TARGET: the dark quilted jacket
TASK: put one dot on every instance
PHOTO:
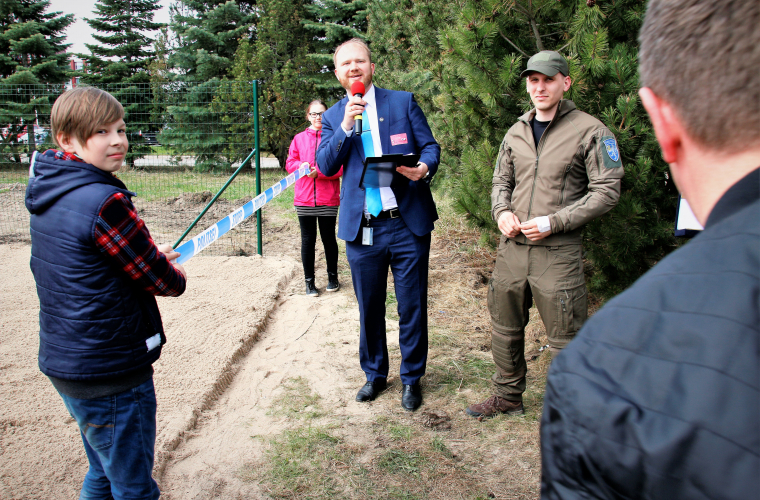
(658, 397)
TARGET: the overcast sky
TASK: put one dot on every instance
(79, 32)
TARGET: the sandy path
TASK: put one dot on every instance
(210, 330)
(315, 339)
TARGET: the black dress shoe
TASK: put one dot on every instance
(411, 397)
(370, 390)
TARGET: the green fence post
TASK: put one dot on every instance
(258, 161)
(245, 163)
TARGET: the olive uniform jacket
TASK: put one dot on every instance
(573, 176)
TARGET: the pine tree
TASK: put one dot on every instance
(207, 34)
(278, 60)
(638, 232)
(119, 63)
(32, 53)
(330, 23)
(124, 50)
(485, 49)
(160, 76)
(404, 36)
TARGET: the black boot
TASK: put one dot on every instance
(332, 282)
(311, 289)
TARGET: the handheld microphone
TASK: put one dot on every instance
(357, 88)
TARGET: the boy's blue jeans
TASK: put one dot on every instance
(119, 435)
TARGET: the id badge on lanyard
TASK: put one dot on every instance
(367, 236)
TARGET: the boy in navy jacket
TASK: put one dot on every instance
(97, 270)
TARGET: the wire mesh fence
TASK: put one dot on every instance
(185, 139)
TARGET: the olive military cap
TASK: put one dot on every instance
(547, 62)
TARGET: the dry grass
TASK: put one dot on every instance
(437, 452)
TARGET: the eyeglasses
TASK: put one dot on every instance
(316, 115)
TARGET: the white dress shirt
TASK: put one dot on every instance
(386, 193)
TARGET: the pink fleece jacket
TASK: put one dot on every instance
(321, 191)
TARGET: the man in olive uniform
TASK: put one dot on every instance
(558, 168)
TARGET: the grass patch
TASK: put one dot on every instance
(391, 305)
(152, 186)
(399, 432)
(453, 374)
(295, 465)
(439, 446)
(398, 461)
(14, 177)
(297, 401)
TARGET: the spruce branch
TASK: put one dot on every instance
(512, 44)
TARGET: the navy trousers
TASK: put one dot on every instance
(407, 255)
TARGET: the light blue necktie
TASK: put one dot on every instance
(371, 194)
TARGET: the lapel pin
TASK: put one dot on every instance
(381, 118)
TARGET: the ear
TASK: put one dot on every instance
(66, 142)
(667, 126)
(567, 83)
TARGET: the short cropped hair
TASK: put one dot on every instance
(703, 57)
(79, 112)
(357, 41)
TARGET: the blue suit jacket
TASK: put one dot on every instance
(398, 113)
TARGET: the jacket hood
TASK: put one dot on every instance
(50, 178)
(565, 106)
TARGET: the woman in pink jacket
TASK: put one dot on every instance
(316, 200)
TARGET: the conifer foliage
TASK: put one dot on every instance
(124, 47)
(119, 62)
(330, 23)
(279, 61)
(477, 94)
(207, 36)
(32, 52)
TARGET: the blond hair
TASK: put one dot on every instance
(702, 57)
(80, 112)
(357, 41)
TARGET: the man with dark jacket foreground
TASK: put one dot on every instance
(658, 395)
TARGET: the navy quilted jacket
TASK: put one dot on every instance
(658, 396)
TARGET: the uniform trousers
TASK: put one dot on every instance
(407, 255)
(552, 276)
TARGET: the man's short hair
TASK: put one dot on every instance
(357, 41)
(703, 57)
(79, 112)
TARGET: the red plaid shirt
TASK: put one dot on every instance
(122, 236)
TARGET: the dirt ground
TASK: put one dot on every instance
(239, 340)
(211, 328)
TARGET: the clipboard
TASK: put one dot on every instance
(379, 170)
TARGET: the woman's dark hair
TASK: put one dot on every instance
(312, 103)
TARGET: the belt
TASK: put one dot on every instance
(393, 213)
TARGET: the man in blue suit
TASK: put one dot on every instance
(389, 226)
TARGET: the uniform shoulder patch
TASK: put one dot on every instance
(611, 153)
